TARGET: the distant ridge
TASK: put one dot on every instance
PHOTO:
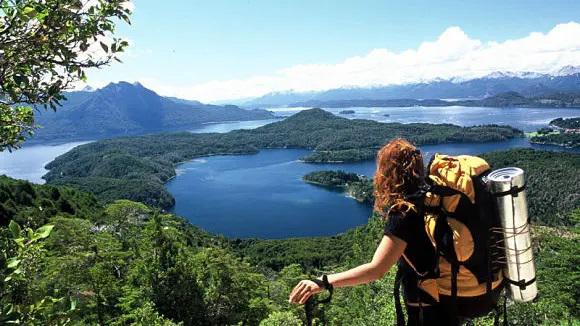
(122, 109)
(528, 84)
(501, 100)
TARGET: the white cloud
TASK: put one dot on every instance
(452, 55)
(129, 4)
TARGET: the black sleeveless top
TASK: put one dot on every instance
(420, 253)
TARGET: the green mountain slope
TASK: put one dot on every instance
(125, 263)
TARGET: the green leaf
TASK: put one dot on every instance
(104, 46)
(12, 262)
(42, 15)
(19, 242)
(29, 11)
(44, 231)
(15, 229)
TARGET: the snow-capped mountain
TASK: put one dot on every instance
(565, 79)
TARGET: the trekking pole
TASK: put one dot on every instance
(311, 304)
(309, 309)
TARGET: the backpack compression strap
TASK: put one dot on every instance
(444, 241)
(434, 189)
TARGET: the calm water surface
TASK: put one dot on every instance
(263, 196)
(28, 162)
(526, 119)
(232, 125)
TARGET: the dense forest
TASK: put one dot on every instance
(127, 263)
(331, 178)
(570, 140)
(136, 168)
(571, 123)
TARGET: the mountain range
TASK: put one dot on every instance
(122, 109)
(528, 84)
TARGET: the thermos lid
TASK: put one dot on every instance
(505, 174)
(506, 178)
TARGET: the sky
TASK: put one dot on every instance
(223, 50)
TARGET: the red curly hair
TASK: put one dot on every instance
(400, 171)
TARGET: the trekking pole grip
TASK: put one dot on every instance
(324, 284)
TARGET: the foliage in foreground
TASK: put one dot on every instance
(127, 263)
(45, 47)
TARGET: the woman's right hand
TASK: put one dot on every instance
(304, 290)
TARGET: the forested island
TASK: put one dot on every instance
(565, 132)
(126, 262)
(356, 186)
(137, 168)
(570, 123)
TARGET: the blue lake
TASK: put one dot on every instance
(231, 125)
(28, 162)
(526, 119)
(263, 195)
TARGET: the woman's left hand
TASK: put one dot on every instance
(303, 290)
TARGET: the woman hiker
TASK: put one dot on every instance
(400, 172)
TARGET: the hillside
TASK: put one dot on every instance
(572, 123)
(124, 109)
(565, 132)
(137, 168)
(125, 263)
(35, 205)
(528, 85)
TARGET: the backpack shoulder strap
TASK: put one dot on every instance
(444, 243)
(397, 294)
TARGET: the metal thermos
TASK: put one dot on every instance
(508, 187)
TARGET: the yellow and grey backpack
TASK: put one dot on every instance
(460, 220)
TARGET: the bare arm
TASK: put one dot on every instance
(387, 253)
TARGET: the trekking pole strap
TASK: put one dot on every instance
(312, 302)
(324, 284)
(308, 310)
